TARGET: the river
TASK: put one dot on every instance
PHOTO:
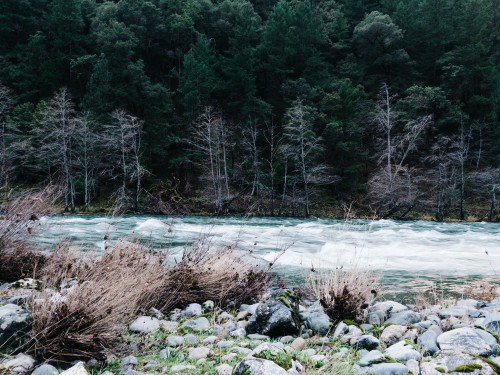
(410, 255)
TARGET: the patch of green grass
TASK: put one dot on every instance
(470, 367)
(440, 369)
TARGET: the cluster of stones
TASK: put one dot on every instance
(429, 342)
(396, 339)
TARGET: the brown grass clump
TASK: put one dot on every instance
(84, 320)
(220, 275)
(483, 290)
(18, 224)
(344, 293)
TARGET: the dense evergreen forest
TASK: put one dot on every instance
(277, 107)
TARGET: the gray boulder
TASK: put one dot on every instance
(314, 318)
(459, 312)
(371, 358)
(128, 363)
(14, 323)
(224, 369)
(45, 369)
(257, 366)
(367, 342)
(428, 342)
(404, 318)
(145, 324)
(402, 352)
(273, 318)
(452, 359)
(492, 322)
(198, 325)
(465, 339)
(392, 334)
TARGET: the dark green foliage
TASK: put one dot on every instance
(164, 61)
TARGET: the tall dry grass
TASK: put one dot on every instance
(84, 318)
(222, 275)
(87, 299)
(19, 222)
(344, 292)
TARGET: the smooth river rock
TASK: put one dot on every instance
(257, 366)
(465, 339)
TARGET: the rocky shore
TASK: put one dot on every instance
(279, 335)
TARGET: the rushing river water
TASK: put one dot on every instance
(416, 253)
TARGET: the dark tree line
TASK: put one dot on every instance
(268, 105)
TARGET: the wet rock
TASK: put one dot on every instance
(144, 325)
(492, 322)
(14, 323)
(315, 318)
(428, 342)
(404, 318)
(465, 339)
(367, 342)
(272, 318)
(257, 366)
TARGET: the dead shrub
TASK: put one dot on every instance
(84, 320)
(18, 224)
(344, 293)
(221, 275)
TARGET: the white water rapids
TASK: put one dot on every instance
(405, 251)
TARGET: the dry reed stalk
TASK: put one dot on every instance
(18, 224)
(84, 320)
(344, 293)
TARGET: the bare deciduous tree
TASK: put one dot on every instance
(58, 131)
(122, 141)
(274, 141)
(210, 137)
(487, 182)
(305, 148)
(393, 184)
(460, 153)
(87, 156)
(442, 175)
(6, 104)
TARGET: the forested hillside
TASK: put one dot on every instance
(276, 107)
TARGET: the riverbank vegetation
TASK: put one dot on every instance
(268, 107)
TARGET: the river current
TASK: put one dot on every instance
(418, 254)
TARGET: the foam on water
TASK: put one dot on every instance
(408, 247)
